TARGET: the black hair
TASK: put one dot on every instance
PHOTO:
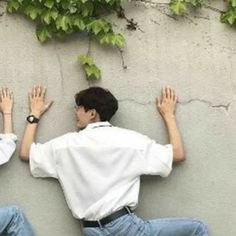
(100, 99)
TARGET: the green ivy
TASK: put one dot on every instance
(59, 18)
(180, 6)
(91, 70)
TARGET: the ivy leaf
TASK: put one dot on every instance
(49, 15)
(113, 39)
(86, 60)
(195, 3)
(119, 40)
(228, 17)
(32, 11)
(92, 72)
(78, 21)
(13, 6)
(178, 6)
(97, 26)
(49, 3)
(87, 9)
(63, 22)
(233, 3)
(43, 33)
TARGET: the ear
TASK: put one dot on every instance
(93, 113)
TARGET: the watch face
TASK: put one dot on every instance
(32, 119)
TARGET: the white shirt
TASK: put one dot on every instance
(99, 167)
(7, 147)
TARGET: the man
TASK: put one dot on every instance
(99, 168)
(12, 220)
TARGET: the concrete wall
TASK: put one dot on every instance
(195, 55)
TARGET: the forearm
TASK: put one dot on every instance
(7, 123)
(175, 138)
(28, 139)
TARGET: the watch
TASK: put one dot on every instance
(32, 119)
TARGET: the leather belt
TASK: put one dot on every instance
(107, 219)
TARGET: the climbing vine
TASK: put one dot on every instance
(59, 18)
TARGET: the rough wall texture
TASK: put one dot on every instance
(196, 55)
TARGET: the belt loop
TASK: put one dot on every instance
(127, 209)
(100, 225)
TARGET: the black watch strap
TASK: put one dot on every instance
(32, 119)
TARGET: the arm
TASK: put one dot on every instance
(7, 143)
(166, 105)
(38, 107)
(6, 105)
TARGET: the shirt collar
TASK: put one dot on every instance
(98, 124)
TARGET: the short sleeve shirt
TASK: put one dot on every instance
(99, 168)
(7, 147)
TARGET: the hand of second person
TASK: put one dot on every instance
(37, 103)
(166, 104)
(6, 101)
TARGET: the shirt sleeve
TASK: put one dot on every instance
(7, 147)
(42, 160)
(158, 159)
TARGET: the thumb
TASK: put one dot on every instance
(48, 105)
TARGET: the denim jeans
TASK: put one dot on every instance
(14, 223)
(131, 225)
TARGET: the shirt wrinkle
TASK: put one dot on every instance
(106, 176)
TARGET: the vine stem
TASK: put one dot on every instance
(88, 54)
(166, 4)
(212, 8)
(122, 58)
(121, 14)
(89, 45)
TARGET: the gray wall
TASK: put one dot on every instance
(195, 55)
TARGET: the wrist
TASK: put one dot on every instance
(32, 119)
(169, 117)
(36, 114)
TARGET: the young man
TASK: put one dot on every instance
(12, 220)
(99, 168)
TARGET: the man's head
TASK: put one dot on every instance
(93, 105)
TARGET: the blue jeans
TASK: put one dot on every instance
(14, 223)
(131, 225)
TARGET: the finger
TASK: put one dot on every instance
(172, 94)
(11, 95)
(30, 95)
(167, 92)
(43, 91)
(176, 99)
(34, 92)
(7, 92)
(48, 105)
(3, 93)
(163, 93)
(38, 91)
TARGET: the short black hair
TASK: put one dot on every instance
(100, 99)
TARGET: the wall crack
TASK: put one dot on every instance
(225, 106)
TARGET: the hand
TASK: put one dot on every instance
(6, 101)
(37, 103)
(166, 104)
